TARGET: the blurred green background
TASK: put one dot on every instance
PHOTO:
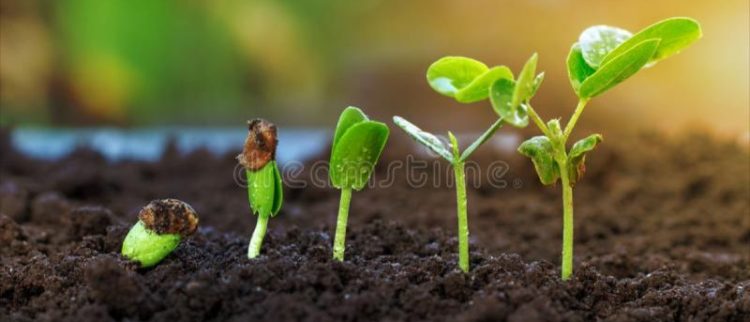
(73, 63)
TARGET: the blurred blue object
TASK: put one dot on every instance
(148, 144)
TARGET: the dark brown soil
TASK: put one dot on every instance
(662, 234)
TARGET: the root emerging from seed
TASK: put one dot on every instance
(169, 216)
(260, 145)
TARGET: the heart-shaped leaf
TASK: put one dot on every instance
(350, 116)
(501, 97)
(478, 89)
(427, 139)
(526, 84)
(598, 41)
(577, 156)
(355, 154)
(541, 152)
(262, 189)
(483, 138)
(618, 69)
(578, 69)
(675, 34)
(450, 74)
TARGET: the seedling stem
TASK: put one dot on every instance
(258, 234)
(463, 221)
(339, 243)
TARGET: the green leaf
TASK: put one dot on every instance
(355, 154)
(537, 83)
(554, 128)
(278, 196)
(578, 69)
(598, 41)
(675, 34)
(350, 116)
(427, 139)
(450, 74)
(501, 97)
(478, 89)
(526, 83)
(618, 69)
(483, 138)
(577, 156)
(454, 145)
(541, 152)
(261, 189)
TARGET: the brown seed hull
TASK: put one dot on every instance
(260, 145)
(169, 216)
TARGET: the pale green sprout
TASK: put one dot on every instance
(357, 145)
(265, 189)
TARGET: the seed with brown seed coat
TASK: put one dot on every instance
(169, 216)
(260, 145)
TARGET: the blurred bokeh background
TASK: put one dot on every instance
(74, 63)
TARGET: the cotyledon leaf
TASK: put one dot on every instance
(356, 153)
(577, 156)
(278, 197)
(541, 152)
(350, 116)
(262, 189)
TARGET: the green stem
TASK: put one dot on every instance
(339, 243)
(257, 240)
(567, 249)
(574, 119)
(463, 225)
(538, 121)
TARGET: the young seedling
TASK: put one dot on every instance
(603, 57)
(264, 185)
(467, 81)
(357, 145)
(161, 225)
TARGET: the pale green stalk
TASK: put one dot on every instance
(257, 240)
(339, 243)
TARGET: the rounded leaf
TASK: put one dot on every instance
(618, 69)
(501, 97)
(478, 89)
(450, 74)
(578, 69)
(675, 34)
(356, 153)
(598, 41)
(350, 116)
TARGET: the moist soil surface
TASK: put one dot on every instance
(662, 233)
